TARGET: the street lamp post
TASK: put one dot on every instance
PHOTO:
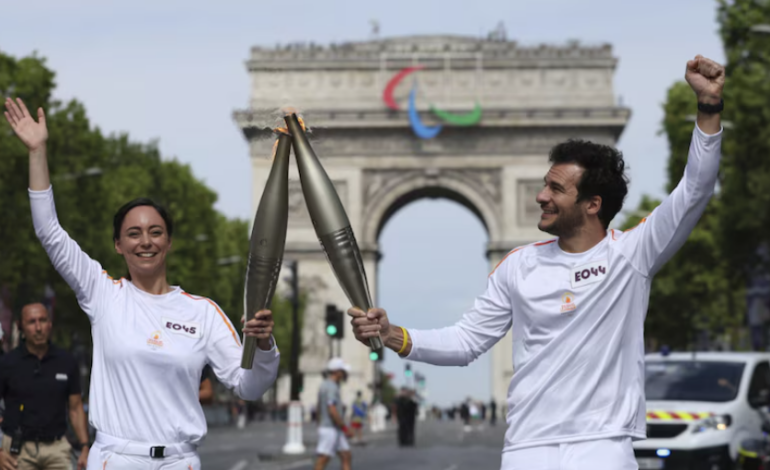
(228, 260)
(757, 31)
(760, 29)
(694, 118)
(294, 358)
(93, 171)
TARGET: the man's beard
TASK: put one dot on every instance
(566, 224)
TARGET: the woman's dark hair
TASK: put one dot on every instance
(117, 221)
(603, 174)
(120, 216)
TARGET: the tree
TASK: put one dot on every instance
(282, 313)
(745, 218)
(93, 176)
(694, 291)
(20, 259)
(387, 390)
(679, 111)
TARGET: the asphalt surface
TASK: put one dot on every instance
(440, 445)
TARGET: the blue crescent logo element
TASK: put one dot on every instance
(422, 131)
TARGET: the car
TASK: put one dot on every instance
(700, 407)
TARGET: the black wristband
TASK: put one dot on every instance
(711, 108)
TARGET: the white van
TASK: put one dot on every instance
(700, 406)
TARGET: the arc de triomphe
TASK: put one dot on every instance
(530, 98)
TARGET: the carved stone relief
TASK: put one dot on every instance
(469, 142)
(315, 342)
(298, 214)
(485, 181)
(528, 210)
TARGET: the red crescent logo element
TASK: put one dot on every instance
(387, 95)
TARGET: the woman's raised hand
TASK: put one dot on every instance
(33, 134)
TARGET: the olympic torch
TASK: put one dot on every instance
(331, 223)
(268, 237)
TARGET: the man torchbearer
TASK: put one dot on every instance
(576, 303)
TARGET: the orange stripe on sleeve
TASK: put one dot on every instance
(504, 257)
(640, 223)
(517, 249)
(221, 314)
(119, 281)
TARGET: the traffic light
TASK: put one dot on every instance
(377, 355)
(420, 379)
(334, 326)
(408, 370)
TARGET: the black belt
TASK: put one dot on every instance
(41, 438)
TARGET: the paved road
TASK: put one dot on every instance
(440, 445)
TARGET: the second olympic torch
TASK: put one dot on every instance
(331, 223)
(268, 237)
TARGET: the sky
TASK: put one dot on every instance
(174, 71)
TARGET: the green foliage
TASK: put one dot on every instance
(699, 288)
(692, 291)
(745, 216)
(282, 313)
(388, 391)
(93, 176)
(679, 108)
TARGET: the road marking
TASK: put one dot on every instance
(240, 465)
(299, 463)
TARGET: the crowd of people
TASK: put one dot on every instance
(469, 412)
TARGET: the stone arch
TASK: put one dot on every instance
(406, 187)
(532, 98)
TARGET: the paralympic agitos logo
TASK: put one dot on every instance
(420, 129)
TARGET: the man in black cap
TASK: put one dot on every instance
(39, 383)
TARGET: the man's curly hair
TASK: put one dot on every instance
(603, 174)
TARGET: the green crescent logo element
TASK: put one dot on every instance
(421, 130)
(468, 119)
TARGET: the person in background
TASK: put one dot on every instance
(492, 412)
(206, 391)
(406, 413)
(39, 382)
(359, 415)
(332, 432)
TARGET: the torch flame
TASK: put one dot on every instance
(282, 130)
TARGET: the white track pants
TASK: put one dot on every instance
(605, 454)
